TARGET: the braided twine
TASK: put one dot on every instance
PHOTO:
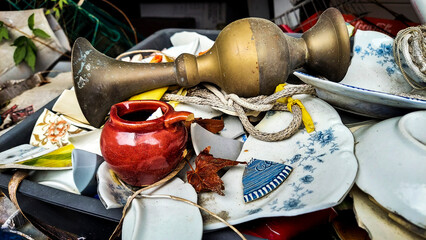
(412, 41)
(241, 107)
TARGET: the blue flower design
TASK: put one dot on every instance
(325, 137)
(293, 203)
(309, 168)
(390, 70)
(313, 150)
(295, 158)
(307, 179)
(310, 151)
(253, 211)
(357, 49)
(384, 54)
(115, 192)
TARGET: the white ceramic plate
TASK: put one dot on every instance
(361, 101)
(156, 218)
(324, 169)
(392, 165)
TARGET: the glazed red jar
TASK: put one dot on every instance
(142, 151)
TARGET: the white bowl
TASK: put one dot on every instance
(392, 165)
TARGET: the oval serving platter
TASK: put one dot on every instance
(362, 101)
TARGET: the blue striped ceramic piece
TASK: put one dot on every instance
(261, 177)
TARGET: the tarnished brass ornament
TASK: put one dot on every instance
(250, 57)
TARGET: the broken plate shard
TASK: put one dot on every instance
(261, 177)
(221, 147)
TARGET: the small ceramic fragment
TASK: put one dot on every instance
(88, 141)
(158, 113)
(220, 147)
(85, 165)
(62, 180)
(126, 59)
(199, 111)
(137, 58)
(111, 193)
(233, 127)
(21, 152)
(261, 177)
(52, 131)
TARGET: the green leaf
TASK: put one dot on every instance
(3, 33)
(61, 4)
(40, 33)
(30, 58)
(19, 54)
(47, 12)
(31, 44)
(57, 14)
(20, 41)
(31, 22)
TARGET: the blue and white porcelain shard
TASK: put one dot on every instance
(392, 157)
(373, 85)
(324, 168)
(261, 177)
(159, 218)
(221, 147)
(111, 193)
(373, 66)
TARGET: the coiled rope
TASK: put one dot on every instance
(241, 107)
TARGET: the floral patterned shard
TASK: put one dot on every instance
(52, 131)
(261, 177)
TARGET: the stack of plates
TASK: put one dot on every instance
(392, 171)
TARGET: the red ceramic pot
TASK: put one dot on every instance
(142, 152)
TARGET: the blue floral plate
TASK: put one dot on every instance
(373, 86)
(323, 162)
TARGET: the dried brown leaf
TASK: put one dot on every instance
(204, 178)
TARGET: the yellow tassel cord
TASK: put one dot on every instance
(306, 118)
